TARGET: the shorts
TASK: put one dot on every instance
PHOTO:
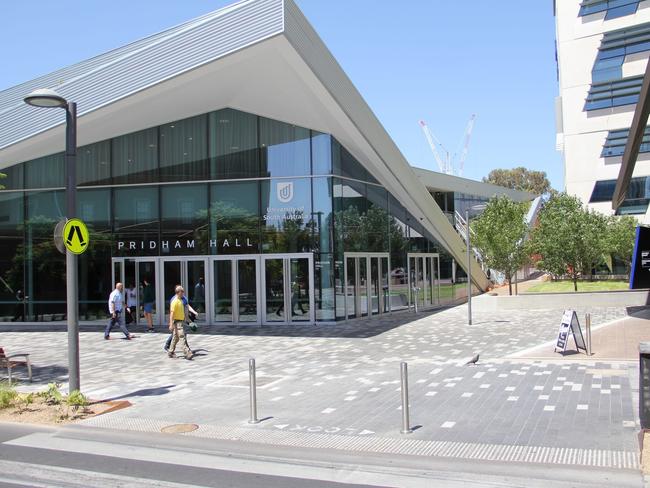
(148, 307)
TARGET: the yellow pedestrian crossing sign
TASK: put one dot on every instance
(75, 236)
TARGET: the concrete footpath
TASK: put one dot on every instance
(336, 389)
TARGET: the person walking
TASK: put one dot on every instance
(19, 309)
(178, 312)
(116, 310)
(199, 295)
(148, 299)
(190, 316)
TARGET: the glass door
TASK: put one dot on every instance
(147, 306)
(375, 286)
(171, 277)
(351, 291)
(299, 270)
(246, 291)
(222, 279)
(194, 284)
(385, 286)
(367, 284)
(275, 310)
(234, 291)
(423, 272)
(288, 283)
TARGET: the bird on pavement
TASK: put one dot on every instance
(474, 360)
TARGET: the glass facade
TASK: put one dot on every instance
(613, 8)
(614, 93)
(218, 184)
(636, 200)
(617, 139)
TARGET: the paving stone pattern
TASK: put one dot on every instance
(344, 379)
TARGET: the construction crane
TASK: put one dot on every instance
(445, 164)
(468, 136)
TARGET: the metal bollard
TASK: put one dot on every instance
(406, 422)
(588, 329)
(253, 392)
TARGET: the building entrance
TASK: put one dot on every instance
(238, 289)
(424, 279)
(367, 290)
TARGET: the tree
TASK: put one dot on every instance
(499, 235)
(621, 232)
(568, 239)
(520, 179)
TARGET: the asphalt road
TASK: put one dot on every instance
(42, 467)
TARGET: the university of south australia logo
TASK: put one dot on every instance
(285, 191)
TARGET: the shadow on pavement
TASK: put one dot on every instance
(357, 328)
(161, 390)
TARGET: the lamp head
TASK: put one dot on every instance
(45, 98)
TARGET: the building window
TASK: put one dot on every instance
(617, 139)
(234, 151)
(13, 179)
(636, 200)
(185, 217)
(615, 46)
(184, 150)
(285, 149)
(344, 164)
(321, 153)
(135, 157)
(614, 8)
(234, 217)
(45, 172)
(614, 93)
(94, 164)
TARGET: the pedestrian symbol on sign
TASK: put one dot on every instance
(75, 236)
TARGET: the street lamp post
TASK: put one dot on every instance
(469, 261)
(46, 98)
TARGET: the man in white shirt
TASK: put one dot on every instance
(116, 310)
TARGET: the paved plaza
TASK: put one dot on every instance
(339, 386)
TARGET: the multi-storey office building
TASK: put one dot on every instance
(230, 154)
(602, 52)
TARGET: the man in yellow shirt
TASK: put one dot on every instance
(177, 314)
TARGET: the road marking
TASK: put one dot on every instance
(46, 476)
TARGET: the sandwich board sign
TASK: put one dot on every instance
(570, 326)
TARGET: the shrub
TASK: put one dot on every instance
(26, 401)
(76, 400)
(8, 395)
(52, 395)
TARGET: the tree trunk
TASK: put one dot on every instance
(509, 277)
(575, 282)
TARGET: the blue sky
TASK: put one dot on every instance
(419, 59)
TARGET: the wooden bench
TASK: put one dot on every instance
(10, 362)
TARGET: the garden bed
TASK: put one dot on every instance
(50, 406)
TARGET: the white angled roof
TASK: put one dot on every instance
(436, 181)
(258, 56)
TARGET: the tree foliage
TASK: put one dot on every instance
(621, 232)
(520, 179)
(499, 235)
(568, 239)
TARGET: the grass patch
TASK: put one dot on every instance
(583, 286)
